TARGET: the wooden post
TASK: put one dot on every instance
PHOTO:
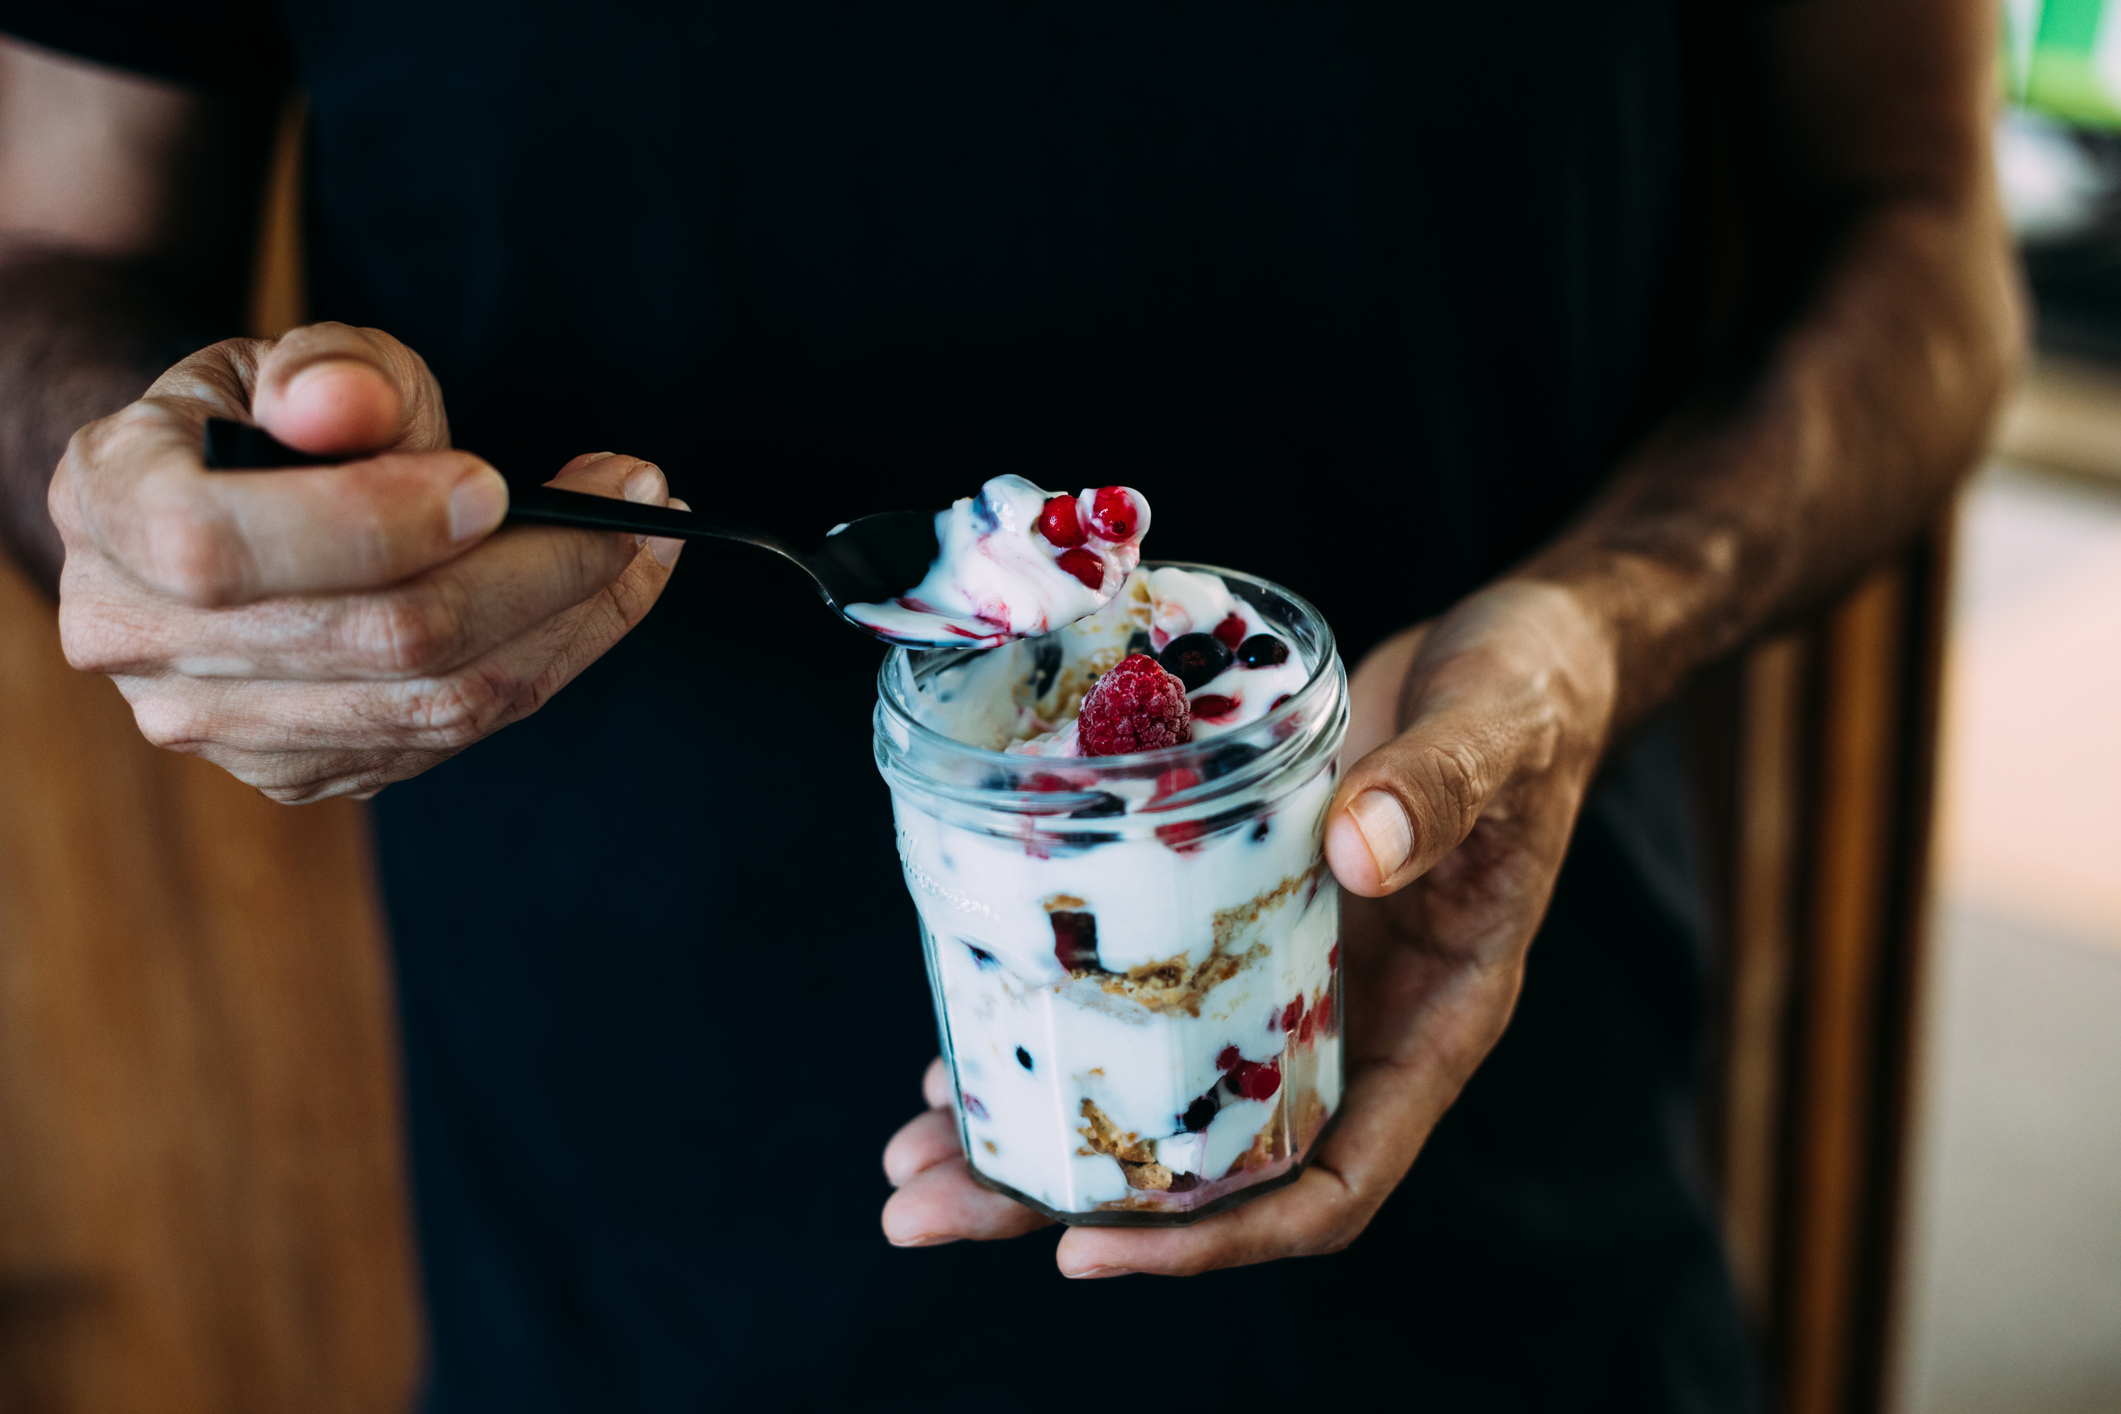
(203, 1203)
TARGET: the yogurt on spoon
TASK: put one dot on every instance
(1016, 562)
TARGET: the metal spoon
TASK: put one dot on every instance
(869, 561)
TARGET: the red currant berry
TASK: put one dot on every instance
(1228, 1059)
(1084, 566)
(1291, 1014)
(1214, 705)
(1257, 1082)
(1060, 523)
(1173, 781)
(1231, 631)
(1183, 836)
(1112, 513)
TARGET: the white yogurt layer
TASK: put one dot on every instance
(996, 577)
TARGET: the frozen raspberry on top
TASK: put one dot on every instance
(1137, 706)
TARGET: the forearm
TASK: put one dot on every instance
(1862, 419)
(79, 338)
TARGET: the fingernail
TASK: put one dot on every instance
(926, 1239)
(644, 485)
(1385, 830)
(1093, 1273)
(665, 549)
(330, 367)
(477, 505)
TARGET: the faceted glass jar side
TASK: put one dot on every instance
(1134, 959)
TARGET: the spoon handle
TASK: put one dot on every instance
(237, 446)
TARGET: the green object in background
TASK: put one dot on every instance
(2062, 58)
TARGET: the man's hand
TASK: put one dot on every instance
(326, 631)
(1477, 734)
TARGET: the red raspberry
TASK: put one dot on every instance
(1214, 705)
(1084, 566)
(1255, 1081)
(1060, 523)
(1112, 513)
(1231, 631)
(1137, 706)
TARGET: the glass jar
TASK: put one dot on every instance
(1134, 959)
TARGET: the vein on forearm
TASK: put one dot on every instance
(1745, 511)
(80, 337)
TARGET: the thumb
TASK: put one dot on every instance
(334, 390)
(1413, 800)
(1517, 678)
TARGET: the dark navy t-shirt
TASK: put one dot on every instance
(1360, 295)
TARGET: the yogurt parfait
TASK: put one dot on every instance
(1112, 834)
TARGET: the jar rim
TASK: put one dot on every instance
(1312, 704)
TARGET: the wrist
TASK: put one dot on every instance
(1546, 654)
(1649, 617)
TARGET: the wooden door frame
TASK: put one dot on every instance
(1815, 760)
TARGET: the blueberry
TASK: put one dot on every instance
(982, 959)
(1103, 805)
(1262, 650)
(1229, 759)
(1045, 664)
(1023, 1057)
(1184, 1182)
(1200, 1113)
(1138, 641)
(1195, 659)
(1259, 831)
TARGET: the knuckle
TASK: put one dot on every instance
(1452, 776)
(191, 559)
(85, 636)
(169, 723)
(407, 634)
(462, 708)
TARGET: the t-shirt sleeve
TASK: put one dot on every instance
(236, 45)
